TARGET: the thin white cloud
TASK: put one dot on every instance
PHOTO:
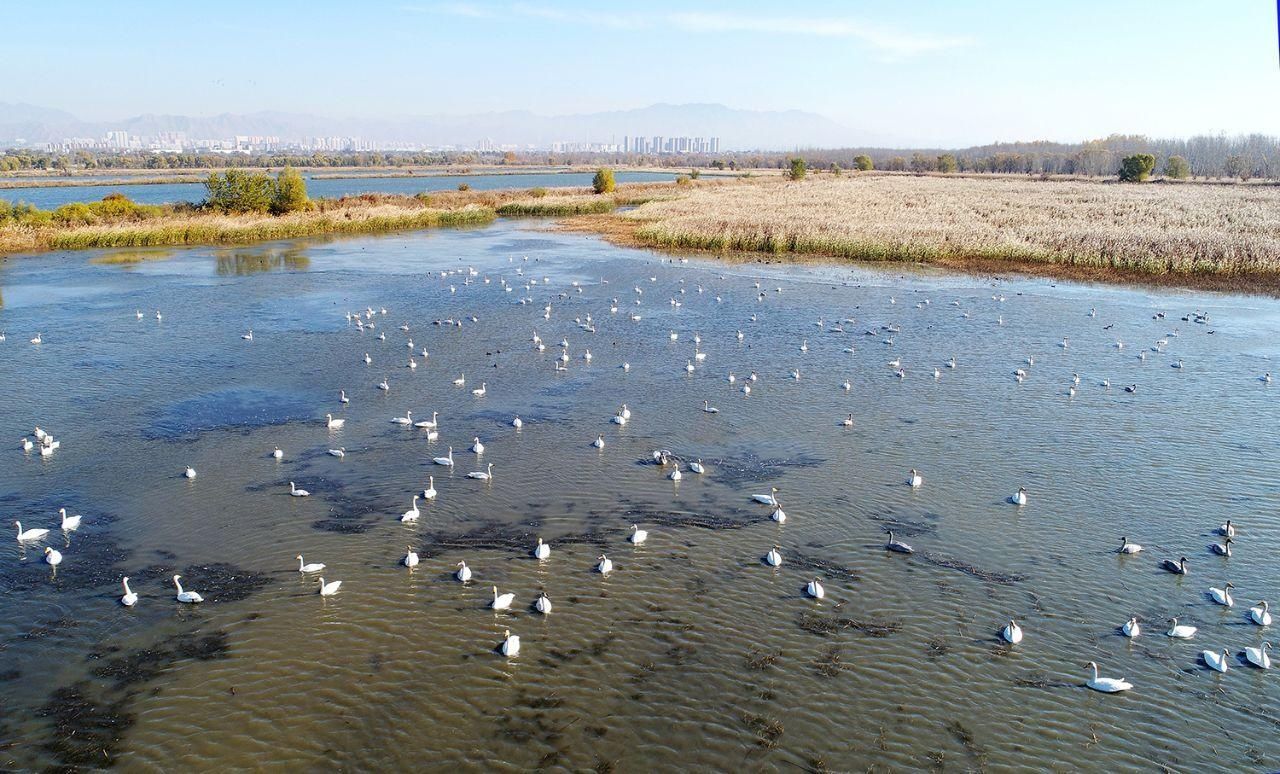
(878, 37)
(882, 39)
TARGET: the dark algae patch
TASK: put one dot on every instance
(84, 733)
(147, 664)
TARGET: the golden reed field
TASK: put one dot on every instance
(1152, 229)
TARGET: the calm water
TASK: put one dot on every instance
(693, 654)
(49, 198)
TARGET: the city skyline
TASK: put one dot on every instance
(931, 74)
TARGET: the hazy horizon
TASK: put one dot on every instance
(934, 75)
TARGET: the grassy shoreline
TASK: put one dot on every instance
(132, 225)
(1209, 237)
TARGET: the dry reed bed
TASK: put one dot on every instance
(354, 217)
(1148, 229)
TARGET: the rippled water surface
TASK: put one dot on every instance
(693, 654)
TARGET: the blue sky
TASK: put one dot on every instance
(897, 72)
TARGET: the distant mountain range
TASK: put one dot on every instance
(738, 129)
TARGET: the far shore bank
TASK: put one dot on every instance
(83, 178)
(1218, 238)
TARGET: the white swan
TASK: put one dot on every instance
(1012, 633)
(708, 408)
(605, 566)
(333, 424)
(304, 567)
(407, 419)
(542, 551)
(542, 604)
(638, 535)
(914, 479)
(446, 461)
(330, 588)
(1258, 656)
(480, 391)
(1216, 661)
(476, 446)
(410, 557)
(52, 557)
(30, 534)
(697, 467)
(338, 452)
(848, 421)
(501, 601)
(1177, 568)
(190, 472)
(1106, 684)
(778, 514)
(598, 442)
(1128, 548)
(464, 572)
(69, 523)
(618, 419)
(1261, 615)
(248, 336)
(430, 492)
(814, 589)
(1131, 628)
(774, 557)
(130, 598)
(510, 646)
(413, 513)
(385, 384)
(1180, 631)
(1228, 529)
(294, 491)
(516, 423)
(769, 499)
(428, 424)
(190, 597)
(1222, 596)
(1019, 497)
(1223, 548)
(278, 454)
(675, 475)
(482, 475)
(461, 380)
(27, 445)
(342, 397)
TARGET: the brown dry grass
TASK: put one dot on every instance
(1212, 236)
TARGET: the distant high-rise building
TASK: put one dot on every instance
(118, 139)
(715, 144)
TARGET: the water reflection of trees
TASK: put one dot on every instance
(261, 260)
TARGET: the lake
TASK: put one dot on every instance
(163, 193)
(693, 654)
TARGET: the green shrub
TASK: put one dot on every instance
(290, 193)
(538, 193)
(74, 214)
(464, 187)
(1136, 168)
(863, 163)
(603, 182)
(797, 170)
(1177, 168)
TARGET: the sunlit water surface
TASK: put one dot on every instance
(693, 654)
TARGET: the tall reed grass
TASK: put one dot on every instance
(559, 206)
(1149, 229)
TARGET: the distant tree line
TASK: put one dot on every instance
(1242, 157)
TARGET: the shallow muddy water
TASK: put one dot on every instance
(693, 654)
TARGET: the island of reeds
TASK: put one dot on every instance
(1206, 234)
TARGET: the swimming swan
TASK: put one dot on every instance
(330, 588)
(190, 597)
(130, 598)
(1223, 595)
(1180, 631)
(1106, 684)
(1012, 633)
(303, 567)
(501, 601)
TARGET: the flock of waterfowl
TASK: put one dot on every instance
(369, 320)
